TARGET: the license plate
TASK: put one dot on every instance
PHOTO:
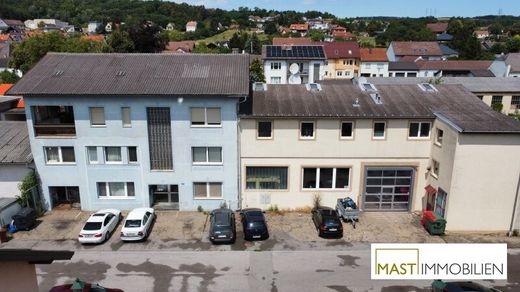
(333, 229)
(221, 236)
(89, 235)
(256, 236)
(130, 234)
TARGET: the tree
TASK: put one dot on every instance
(496, 28)
(120, 42)
(270, 28)
(256, 71)
(8, 77)
(235, 42)
(464, 39)
(515, 29)
(147, 38)
(513, 44)
(316, 35)
(253, 45)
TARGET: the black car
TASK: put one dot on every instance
(253, 222)
(222, 226)
(440, 286)
(327, 222)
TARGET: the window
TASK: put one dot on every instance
(159, 138)
(398, 74)
(368, 66)
(326, 178)
(480, 97)
(419, 130)
(347, 73)
(210, 190)
(515, 102)
(53, 121)
(496, 99)
(265, 130)
(379, 130)
(113, 155)
(115, 189)
(339, 73)
(439, 136)
(207, 155)
(132, 154)
(347, 130)
(440, 202)
(410, 74)
(97, 116)
(60, 155)
(427, 87)
(307, 130)
(92, 155)
(205, 116)
(380, 66)
(125, 117)
(276, 66)
(276, 80)
(266, 178)
(435, 168)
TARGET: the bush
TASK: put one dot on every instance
(497, 107)
(223, 205)
(200, 209)
(316, 200)
(25, 186)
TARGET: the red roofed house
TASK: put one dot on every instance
(373, 62)
(180, 47)
(343, 60)
(455, 68)
(303, 28)
(438, 27)
(191, 26)
(425, 50)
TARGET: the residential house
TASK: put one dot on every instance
(170, 26)
(284, 30)
(455, 68)
(482, 33)
(490, 90)
(338, 32)
(342, 60)
(15, 157)
(9, 25)
(424, 50)
(448, 52)
(293, 64)
(512, 61)
(191, 26)
(47, 25)
(292, 41)
(301, 28)
(180, 47)
(383, 146)
(108, 27)
(318, 23)
(93, 27)
(3, 26)
(440, 29)
(403, 69)
(373, 62)
(136, 130)
(11, 107)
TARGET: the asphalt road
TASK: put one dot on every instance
(347, 268)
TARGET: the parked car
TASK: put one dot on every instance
(440, 286)
(253, 222)
(222, 226)
(327, 222)
(99, 226)
(137, 224)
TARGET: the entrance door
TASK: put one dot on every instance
(166, 196)
(388, 188)
(65, 196)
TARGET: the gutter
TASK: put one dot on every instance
(239, 154)
(515, 206)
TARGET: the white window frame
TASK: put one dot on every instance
(351, 137)
(97, 161)
(432, 172)
(206, 125)
(276, 80)
(339, 73)
(374, 130)
(60, 156)
(258, 130)
(276, 66)
(105, 155)
(437, 142)
(207, 162)
(208, 194)
(90, 109)
(129, 124)
(313, 130)
(347, 73)
(334, 173)
(419, 131)
(107, 191)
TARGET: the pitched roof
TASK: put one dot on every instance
(373, 55)
(137, 74)
(473, 84)
(4, 87)
(311, 52)
(513, 60)
(342, 34)
(402, 66)
(438, 27)
(291, 41)
(454, 65)
(299, 26)
(340, 50)
(447, 51)
(191, 23)
(185, 46)
(14, 143)
(337, 99)
(416, 49)
(13, 22)
(444, 37)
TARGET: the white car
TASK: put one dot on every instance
(99, 226)
(137, 224)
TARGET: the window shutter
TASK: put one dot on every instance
(197, 116)
(213, 116)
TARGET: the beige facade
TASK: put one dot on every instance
(347, 68)
(18, 276)
(509, 106)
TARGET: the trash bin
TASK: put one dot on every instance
(435, 224)
(25, 219)
(426, 215)
(3, 234)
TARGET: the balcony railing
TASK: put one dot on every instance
(60, 130)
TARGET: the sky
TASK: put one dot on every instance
(353, 8)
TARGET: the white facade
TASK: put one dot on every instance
(10, 176)
(93, 26)
(277, 71)
(373, 69)
(33, 24)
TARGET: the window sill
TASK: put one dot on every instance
(60, 163)
(209, 199)
(113, 163)
(347, 138)
(98, 126)
(117, 198)
(419, 138)
(437, 144)
(56, 137)
(326, 190)
(264, 138)
(307, 138)
(206, 126)
(435, 176)
(208, 164)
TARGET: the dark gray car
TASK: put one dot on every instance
(222, 227)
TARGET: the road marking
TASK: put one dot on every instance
(79, 213)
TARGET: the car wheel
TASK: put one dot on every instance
(107, 236)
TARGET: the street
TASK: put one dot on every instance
(346, 268)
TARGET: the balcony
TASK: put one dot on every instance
(53, 121)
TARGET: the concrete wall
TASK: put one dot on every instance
(184, 174)
(10, 176)
(18, 276)
(327, 149)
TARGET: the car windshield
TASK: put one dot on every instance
(222, 228)
(133, 223)
(331, 221)
(92, 226)
(257, 224)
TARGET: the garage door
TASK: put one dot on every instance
(388, 189)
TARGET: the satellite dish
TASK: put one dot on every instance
(294, 68)
(295, 79)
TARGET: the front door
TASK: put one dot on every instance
(165, 196)
(388, 188)
(65, 196)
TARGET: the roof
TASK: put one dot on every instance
(454, 65)
(416, 49)
(13, 22)
(337, 100)
(4, 37)
(438, 27)
(191, 23)
(4, 87)
(137, 74)
(6, 202)
(185, 46)
(513, 60)
(14, 143)
(299, 26)
(314, 52)
(291, 41)
(342, 34)
(447, 51)
(33, 256)
(444, 37)
(373, 55)
(473, 84)
(341, 50)
(402, 66)
(94, 37)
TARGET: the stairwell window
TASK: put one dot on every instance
(125, 117)
(60, 155)
(206, 117)
(439, 137)
(265, 130)
(307, 130)
(379, 131)
(97, 117)
(419, 130)
(435, 168)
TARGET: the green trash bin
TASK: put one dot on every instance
(436, 227)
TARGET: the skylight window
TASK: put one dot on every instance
(369, 87)
(427, 87)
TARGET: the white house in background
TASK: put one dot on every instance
(16, 160)
(33, 24)
(293, 64)
(410, 51)
(373, 62)
(170, 26)
(93, 26)
(191, 26)
(108, 27)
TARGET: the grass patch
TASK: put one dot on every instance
(227, 35)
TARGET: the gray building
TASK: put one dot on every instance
(134, 130)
